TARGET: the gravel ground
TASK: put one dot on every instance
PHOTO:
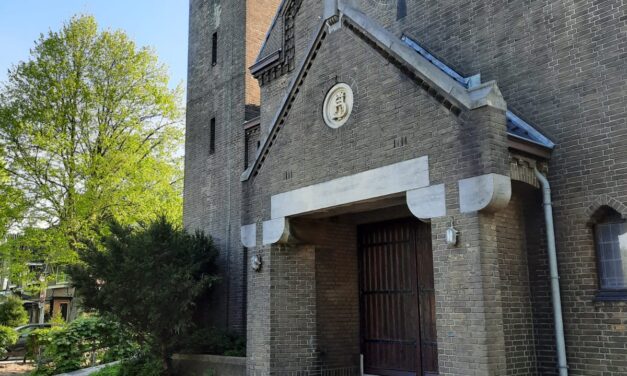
(15, 368)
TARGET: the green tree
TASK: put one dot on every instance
(12, 203)
(90, 130)
(149, 278)
(12, 312)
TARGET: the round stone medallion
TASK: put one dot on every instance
(338, 105)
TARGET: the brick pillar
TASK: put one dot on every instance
(468, 298)
(282, 312)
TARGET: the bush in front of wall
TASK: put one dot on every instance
(8, 336)
(84, 342)
(150, 278)
(12, 312)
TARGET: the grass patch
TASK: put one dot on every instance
(113, 370)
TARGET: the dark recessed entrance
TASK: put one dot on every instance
(397, 301)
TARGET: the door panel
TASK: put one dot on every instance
(397, 300)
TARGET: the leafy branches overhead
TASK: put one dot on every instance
(89, 128)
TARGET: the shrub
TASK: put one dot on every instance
(12, 312)
(83, 342)
(146, 364)
(8, 336)
(214, 341)
(150, 279)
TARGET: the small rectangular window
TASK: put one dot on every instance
(212, 136)
(214, 49)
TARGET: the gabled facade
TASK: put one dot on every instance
(385, 211)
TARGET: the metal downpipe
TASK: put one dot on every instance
(555, 285)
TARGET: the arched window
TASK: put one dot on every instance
(610, 232)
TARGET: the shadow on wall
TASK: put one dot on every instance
(208, 365)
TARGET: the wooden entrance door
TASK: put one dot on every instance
(398, 334)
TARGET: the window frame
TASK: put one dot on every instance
(603, 293)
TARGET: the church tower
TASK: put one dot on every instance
(222, 99)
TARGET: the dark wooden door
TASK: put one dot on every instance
(398, 335)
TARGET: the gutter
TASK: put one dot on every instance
(555, 285)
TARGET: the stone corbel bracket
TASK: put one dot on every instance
(490, 192)
(248, 235)
(428, 202)
(277, 231)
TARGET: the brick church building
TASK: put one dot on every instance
(409, 187)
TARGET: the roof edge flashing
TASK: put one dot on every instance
(454, 90)
(536, 136)
(474, 85)
(269, 31)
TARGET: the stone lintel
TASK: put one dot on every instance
(379, 182)
(490, 192)
(428, 202)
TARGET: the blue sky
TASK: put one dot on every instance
(161, 24)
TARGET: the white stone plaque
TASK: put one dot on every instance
(338, 105)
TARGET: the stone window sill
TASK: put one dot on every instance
(611, 296)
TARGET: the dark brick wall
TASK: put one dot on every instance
(518, 325)
(259, 15)
(251, 141)
(337, 289)
(540, 283)
(389, 106)
(224, 92)
(282, 312)
(560, 65)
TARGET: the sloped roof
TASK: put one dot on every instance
(273, 41)
(448, 87)
(516, 127)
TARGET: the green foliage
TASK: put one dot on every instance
(144, 365)
(149, 278)
(80, 343)
(12, 312)
(113, 370)
(12, 202)
(57, 320)
(214, 341)
(88, 132)
(8, 336)
(37, 342)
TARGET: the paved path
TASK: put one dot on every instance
(14, 368)
(86, 371)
